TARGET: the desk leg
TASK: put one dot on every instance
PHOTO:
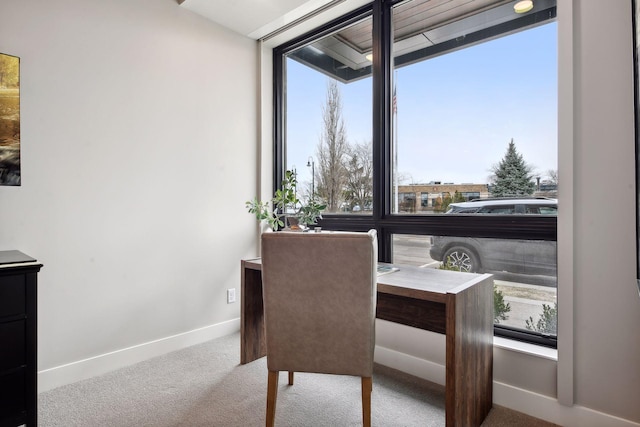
(469, 379)
(252, 339)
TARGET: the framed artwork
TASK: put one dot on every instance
(9, 120)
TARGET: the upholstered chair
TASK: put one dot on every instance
(319, 294)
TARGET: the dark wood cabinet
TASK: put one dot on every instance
(18, 339)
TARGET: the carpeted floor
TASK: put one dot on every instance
(205, 385)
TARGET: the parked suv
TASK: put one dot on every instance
(537, 206)
(489, 254)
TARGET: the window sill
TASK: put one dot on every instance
(526, 348)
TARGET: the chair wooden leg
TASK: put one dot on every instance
(272, 394)
(367, 387)
(290, 377)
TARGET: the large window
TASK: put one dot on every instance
(327, 128)
(435, 123)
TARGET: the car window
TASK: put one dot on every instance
(457, 209)
(503, 209)
(548, 210)
(517, 208)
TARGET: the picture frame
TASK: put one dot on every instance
(10, 165)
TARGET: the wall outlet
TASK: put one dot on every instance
(231, 295)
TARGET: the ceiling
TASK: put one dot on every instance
(255, 18)
(422, 29)
(259, 18)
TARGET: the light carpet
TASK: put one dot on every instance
(204, 385)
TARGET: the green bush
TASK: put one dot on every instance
(500, 308)
(548, 321)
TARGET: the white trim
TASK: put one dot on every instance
(518, 399)
(103, 363)
(415, 366)
(549, 409)
(566, 224)
(526, 348)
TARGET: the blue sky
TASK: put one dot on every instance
(456, 112)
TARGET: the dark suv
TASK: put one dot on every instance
(489, 254)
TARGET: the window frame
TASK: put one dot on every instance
(382, 218)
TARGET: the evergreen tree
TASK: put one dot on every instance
(512, 176)
(458, 197)
(443, 206)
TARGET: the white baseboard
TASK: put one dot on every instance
(548, 409)
(415, 366)
(101, 364)
(521, 400)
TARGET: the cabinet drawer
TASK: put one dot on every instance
(12, 393)
(13, 345)
(12, 295)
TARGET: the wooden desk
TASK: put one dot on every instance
(459, 305)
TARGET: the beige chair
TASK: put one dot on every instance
(319, 302)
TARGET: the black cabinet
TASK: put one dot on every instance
(18, 339)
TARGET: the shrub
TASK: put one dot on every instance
(548, 321)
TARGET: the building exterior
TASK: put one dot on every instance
(435, 197)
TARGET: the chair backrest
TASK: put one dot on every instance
(319, 293)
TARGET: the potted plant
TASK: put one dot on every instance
(285, 209)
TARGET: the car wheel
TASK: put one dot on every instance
(462, 259)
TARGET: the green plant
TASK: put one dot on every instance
(285, 198)
(548, 321)
(263, 211)
(284, 203)
(500, 308)
(310, 212)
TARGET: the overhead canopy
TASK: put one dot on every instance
(422, 29)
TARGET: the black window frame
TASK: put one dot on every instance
(382, 218)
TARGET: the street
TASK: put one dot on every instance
(525, 294)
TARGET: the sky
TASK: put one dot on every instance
(456, 113)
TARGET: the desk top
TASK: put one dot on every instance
(429, 284)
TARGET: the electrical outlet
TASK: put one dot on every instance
(231, 295)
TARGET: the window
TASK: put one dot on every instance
(424, 200)
(427, 114)
(327, 119)
(470, 195)
(407, 202)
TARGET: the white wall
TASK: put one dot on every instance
(606, 302)
(139, 135)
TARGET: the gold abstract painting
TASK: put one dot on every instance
(9, 120)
